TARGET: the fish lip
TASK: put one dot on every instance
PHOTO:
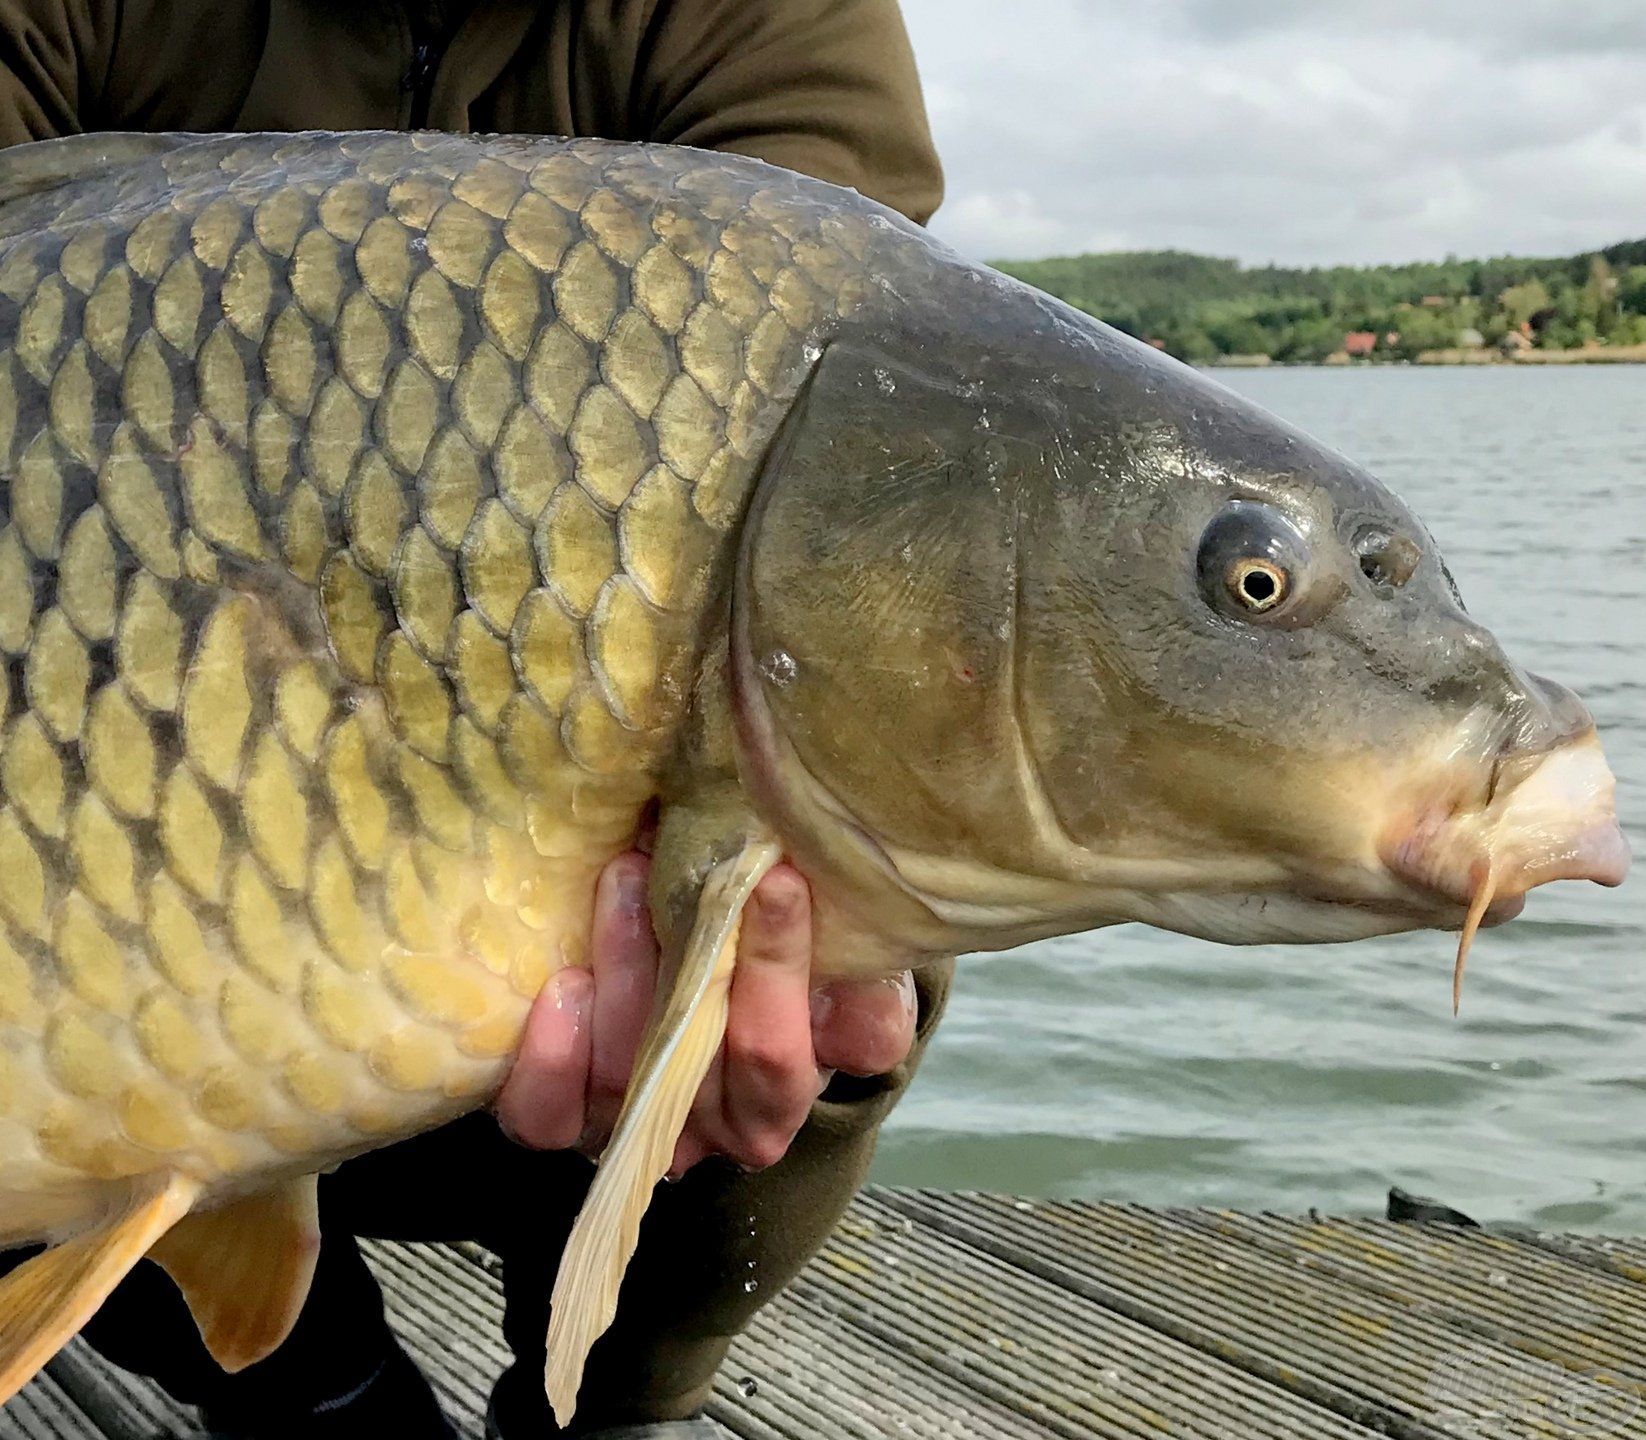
(1515, 760)
(1439, 906)
(1548, 814)
(1446, 898)
(1447, 906)
(1600, 852)
(1502, 910)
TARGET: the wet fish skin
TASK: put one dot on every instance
(992, 682)
(393, 519)
(366, 498)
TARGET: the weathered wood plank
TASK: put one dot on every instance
(117, 1403)
(45, 1411)
(993, 1330)
(1410, 1331)
(978, 1317)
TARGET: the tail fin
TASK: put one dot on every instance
(671, 1067)
(46, 1300)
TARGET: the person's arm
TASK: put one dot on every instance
(70, 66)
(54, 55)
(825, 87)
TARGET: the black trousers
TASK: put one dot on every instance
(687, 1293)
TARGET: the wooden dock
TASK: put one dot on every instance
(979, 1317)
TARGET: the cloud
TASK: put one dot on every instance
(1283, 130)
(1509, 28)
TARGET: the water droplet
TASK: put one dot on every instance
(750, 1286)
(883, 381)
(779, 667)
(748, 1387)
(811, 352)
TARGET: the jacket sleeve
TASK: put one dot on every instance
(826, 87)
(54, 55)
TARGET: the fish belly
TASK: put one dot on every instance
(364, 502)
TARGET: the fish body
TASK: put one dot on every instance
(391, 521)
(365, 503)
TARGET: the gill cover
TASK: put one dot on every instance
(877, 605)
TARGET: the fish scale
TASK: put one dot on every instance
(364, 503)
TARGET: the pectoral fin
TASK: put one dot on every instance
(245, 1269)
(46, 1300)
(676, 1056)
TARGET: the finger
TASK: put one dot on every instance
(542, 1103)
(864, 1027)
(688, 1150)
(771, 1073)
(711, 1127)
(623, 954)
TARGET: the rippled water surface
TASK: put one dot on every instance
(1137, 1065)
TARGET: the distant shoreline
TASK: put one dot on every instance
(1585, 309)
(1599, 355)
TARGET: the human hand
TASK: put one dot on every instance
(783, 1039)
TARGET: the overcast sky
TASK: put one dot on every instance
(1301, 131)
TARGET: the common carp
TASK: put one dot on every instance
(392, 522)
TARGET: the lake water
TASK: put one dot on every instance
(1135, 1065)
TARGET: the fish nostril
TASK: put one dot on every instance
(1568, 717)
(1539, 714)
(1547, 716)
(1474, 668)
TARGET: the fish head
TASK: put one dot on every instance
(1291, 701)
(1041, 630)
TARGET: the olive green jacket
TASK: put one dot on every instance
(827, 87)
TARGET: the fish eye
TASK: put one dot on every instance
(1258, 584)
(1251, 560)
(1386, 559)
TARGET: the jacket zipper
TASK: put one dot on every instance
(429, 43)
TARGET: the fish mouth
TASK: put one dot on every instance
(1548, 815)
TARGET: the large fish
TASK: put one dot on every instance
(390, 522)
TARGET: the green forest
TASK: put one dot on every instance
(1200, 308)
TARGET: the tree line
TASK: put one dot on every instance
(1200, 308)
